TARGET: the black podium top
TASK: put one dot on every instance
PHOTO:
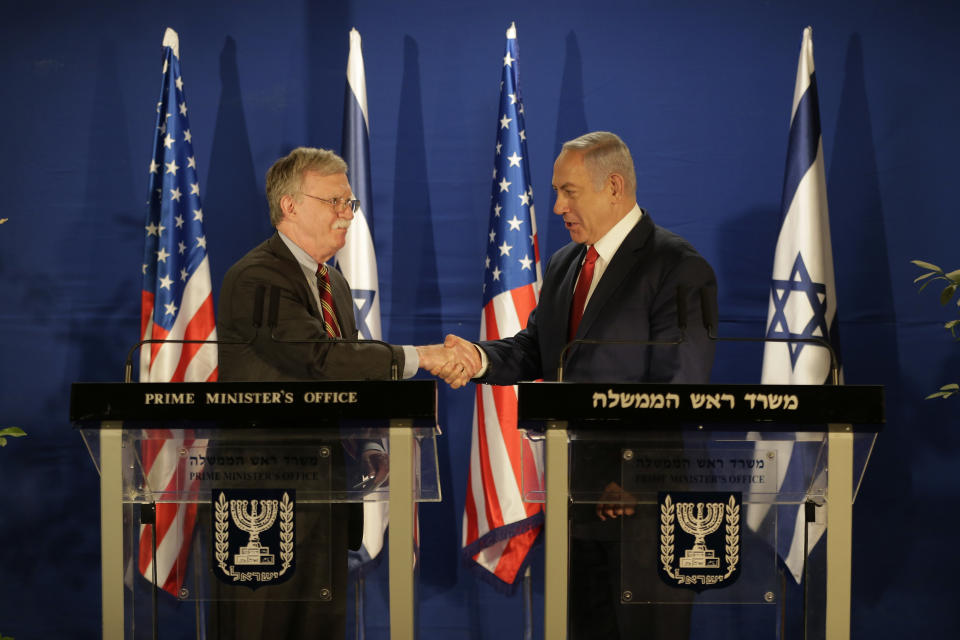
(700, 406)
(255, 404)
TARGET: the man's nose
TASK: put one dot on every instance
(559, 206)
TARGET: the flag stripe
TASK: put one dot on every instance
(494, 516)
(804, 143)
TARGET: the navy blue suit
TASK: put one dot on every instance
(635, 299)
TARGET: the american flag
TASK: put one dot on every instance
(177, 304)
(498, 527)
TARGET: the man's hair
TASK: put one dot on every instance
(605, 153)
(285, 177)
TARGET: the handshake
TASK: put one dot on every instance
(455, 361)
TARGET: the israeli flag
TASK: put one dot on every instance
(803, 300)
(357, 260)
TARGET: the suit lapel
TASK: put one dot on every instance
(623, 264)
(294, 272)
(565, 293)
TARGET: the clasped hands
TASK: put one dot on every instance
(455, 361)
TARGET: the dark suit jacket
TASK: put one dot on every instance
(636, 299)
(270, 612)
(273, 268)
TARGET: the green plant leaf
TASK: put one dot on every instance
(925, 284)
(13, 432)
(954, 276)
(924, 276)
(927, 265)
(947, 293)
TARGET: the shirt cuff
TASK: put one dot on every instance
(411, 361)
(484, 362)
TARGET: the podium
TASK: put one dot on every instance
(268, 469)
(714, 480)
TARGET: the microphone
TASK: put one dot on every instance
(710, 325)
(255, 321)
(273, 313)
(682, 291)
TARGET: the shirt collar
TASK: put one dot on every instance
(302, 256)
(607, 245)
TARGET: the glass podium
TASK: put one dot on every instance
(708, 484)
(272, 477)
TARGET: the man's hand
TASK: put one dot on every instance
(456, 361)
(615, 502)
(375, 464)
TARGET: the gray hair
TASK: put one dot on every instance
(285, 177)
(605, 153)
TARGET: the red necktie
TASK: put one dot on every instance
(580, 293)
(326, 303)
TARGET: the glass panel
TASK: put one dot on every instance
(197, 459)
(862, 450)
(532, 467)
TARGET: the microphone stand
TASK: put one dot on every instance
(709, 325)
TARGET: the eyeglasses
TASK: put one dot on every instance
(339, 204)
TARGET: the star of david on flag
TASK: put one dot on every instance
(498, 527)
(810, 296)
(803, 300)
(177, 304)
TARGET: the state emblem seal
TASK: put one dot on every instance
(700, 539)
(253, 536)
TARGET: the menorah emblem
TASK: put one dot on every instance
(258, 518)
(712, 519)
(700, 525)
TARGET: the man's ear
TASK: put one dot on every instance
(616, 183)
(288, 206)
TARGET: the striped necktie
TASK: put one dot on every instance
(326, 303)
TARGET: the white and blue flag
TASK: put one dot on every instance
(357, 260)
(803, 300)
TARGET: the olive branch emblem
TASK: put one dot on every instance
(221, 533)
(286, 532)
(667, 516)
(733, 536)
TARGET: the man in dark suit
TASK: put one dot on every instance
(618, 279)
(286, 312)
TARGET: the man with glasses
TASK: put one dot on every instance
(290, 317)
(311, 207)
